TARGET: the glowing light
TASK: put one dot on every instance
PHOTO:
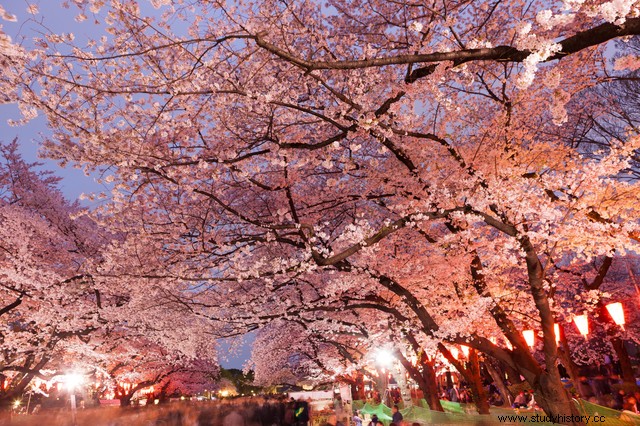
(529, 337)
(465, 350)
(493, 340)
(224, 393)
(508, 344)
(556, 331)
(73, 380)
(582, 322)
(617, 313)
(414, 360)
(16, 403)
(384, 357)
(454, 352)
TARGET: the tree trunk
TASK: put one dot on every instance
(5, 411)
(471, 375)
(625, 362)
(565, 356)
(499, 381)
(480, 397)
(554, 399)
(425, 377)
(125, 400)
(357, 389)
(430, 386)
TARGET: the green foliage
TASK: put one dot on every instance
(243, 382)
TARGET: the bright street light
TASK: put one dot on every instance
(384, 357)
(73, 380)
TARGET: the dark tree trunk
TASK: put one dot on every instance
(499, 382)
(357, 388)
(514, 376)
(471, 373)
(425, 376)
(125, 400)
(555, 401)
(549, 389)
(430, 386)
(565, 356)
(480, 397)
(625, 362)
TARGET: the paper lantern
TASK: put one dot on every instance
(465, 351)
(454, 352)
(508, 343)
(617, 313)
(529, 337)
(582, 322)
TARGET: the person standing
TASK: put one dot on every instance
(455, 394)
(374, 421)
(289, 413)
(396, 416)
(357, 420)
(301, 413)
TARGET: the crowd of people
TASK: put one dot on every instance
(600, 384)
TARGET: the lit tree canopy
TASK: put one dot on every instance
(294, 150)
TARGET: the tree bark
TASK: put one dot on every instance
(500, 384)
(472, 376)
(357, 389)
(425, 376)
(565, 356)
(480, 397)
(554, 399)
(625, 361)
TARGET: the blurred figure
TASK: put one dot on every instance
(396, 416)
(301, 413)
(631, 405)
(357, 420)
(233, 419)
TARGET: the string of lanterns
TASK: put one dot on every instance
(581, 321)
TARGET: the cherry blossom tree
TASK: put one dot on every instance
(58, 313)
(137, 365)
(401, 147)
(47, 302)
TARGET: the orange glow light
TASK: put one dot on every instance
(556, 331)
(508, 343)
(582, 322)
(454, 352)
(529, 337)
(617, 313)
(465, 350)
